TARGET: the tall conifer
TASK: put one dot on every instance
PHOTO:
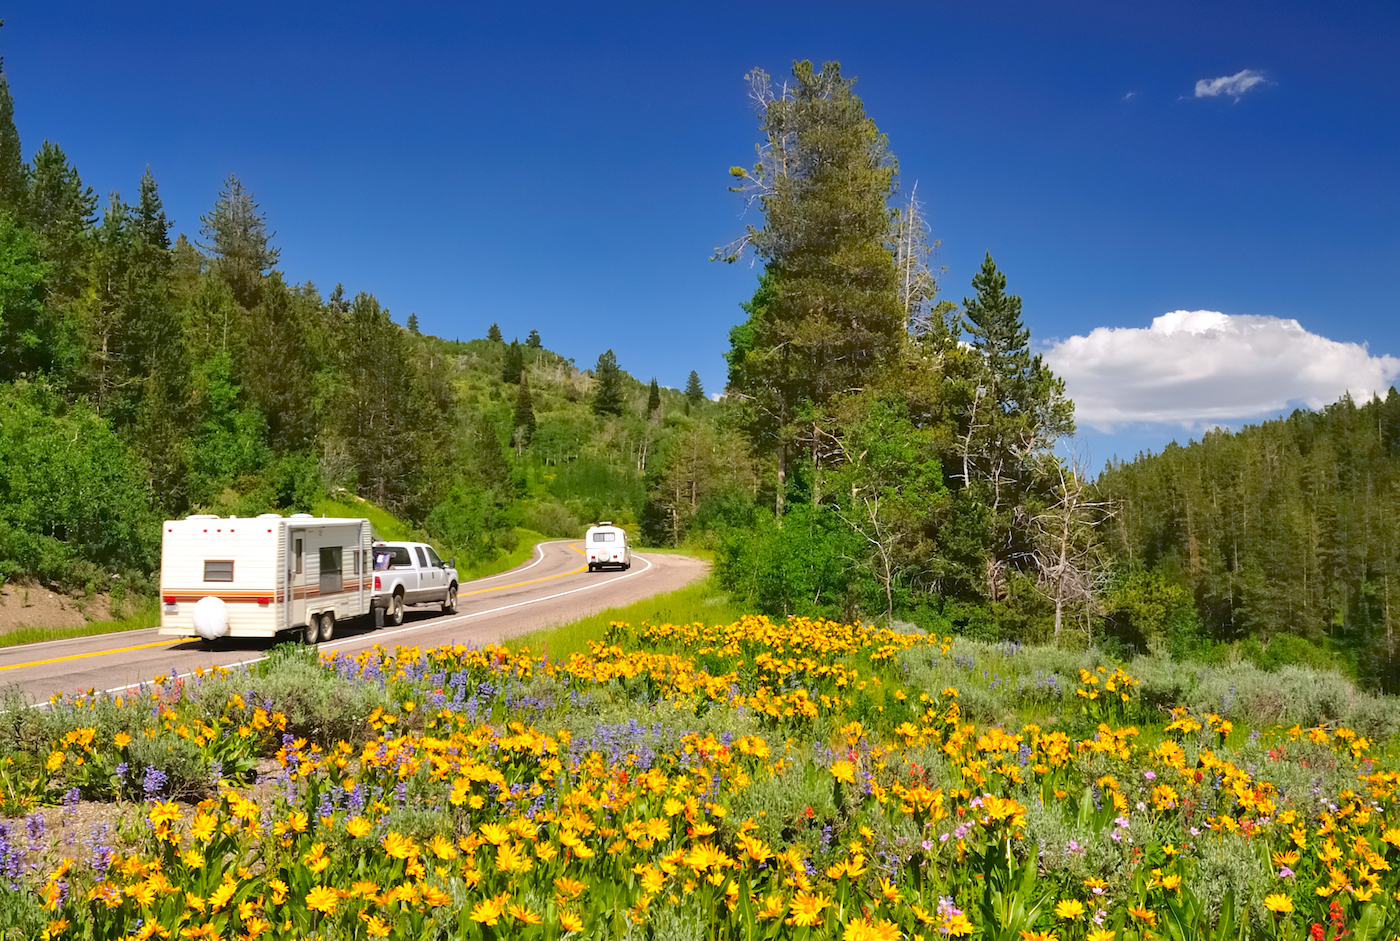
(607, 399)
(11, 157)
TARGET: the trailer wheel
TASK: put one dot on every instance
(311, 630)
(327, 627)
(449, 604)
(395, 613)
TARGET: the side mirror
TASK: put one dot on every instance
(452, 562)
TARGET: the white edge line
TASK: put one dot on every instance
(375, 635)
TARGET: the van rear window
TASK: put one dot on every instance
(218, 570)
(605, 537)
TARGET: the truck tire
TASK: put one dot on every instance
(449, 603)
(394, 616)
(327, 627)
(311, 630)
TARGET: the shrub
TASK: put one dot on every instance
(551, 518)
(321, 705)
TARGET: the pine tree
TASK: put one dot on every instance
(514, 365)
(11, 157)
(61, 212)
(25, 338)
(653, 398)
(152, 227)
(236, 233)
(533, 340)
(413, 324)
(106, 310)
(694, 391)
(607, 398)
(524, 420)
(831, 315)
(494, 334)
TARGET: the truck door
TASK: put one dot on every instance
(427, 576)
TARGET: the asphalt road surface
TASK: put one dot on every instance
(555, 587)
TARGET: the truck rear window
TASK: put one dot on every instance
(390, 557)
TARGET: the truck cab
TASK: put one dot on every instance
(605, 544)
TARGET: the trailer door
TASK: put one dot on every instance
(296, 577)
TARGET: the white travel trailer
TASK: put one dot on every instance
(262, 576)
(606, 544)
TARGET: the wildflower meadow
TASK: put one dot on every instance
(797, 779)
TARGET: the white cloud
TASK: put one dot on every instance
(1198, 368)
(1231, 86)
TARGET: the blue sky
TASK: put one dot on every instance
(563, 167)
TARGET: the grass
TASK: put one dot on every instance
(694, 552)
(702, 601)
(517, 556)
(385, 524)
(147, 615)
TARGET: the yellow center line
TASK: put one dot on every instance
(179, 640)
(95, 653)
(544, 578)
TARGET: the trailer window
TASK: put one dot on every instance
(298, 556)
(604, 537)
(218, 570)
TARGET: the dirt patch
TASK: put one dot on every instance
(29, 605)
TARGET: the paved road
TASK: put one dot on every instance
(555, 587)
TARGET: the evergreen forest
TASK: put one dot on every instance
(880, 451)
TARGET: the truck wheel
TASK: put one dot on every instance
(327, 627)
(311, 630)
(590, 567)
(394, 615)
(449, 604)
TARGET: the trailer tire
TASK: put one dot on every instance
(311, 630)
(394, 616)
(327, 627)
(449, 603)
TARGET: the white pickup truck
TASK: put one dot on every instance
(408, 573)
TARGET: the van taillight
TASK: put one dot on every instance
(376, 583)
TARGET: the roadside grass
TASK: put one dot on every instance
(147, 615)
(385, 524)
(695, 552)
(702, 601)
(521, 554)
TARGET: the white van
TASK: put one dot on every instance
(606, 544)
(262, 576)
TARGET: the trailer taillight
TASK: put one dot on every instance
(264, 600)
(169, 599)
